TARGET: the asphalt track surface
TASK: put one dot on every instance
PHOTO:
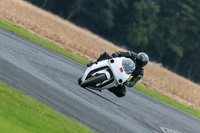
(52, 79)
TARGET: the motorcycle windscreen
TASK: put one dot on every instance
(128, 65)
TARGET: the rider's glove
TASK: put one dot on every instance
(130, 83)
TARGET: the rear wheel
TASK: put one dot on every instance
(119, 91)
(93, 80)
(79, 80)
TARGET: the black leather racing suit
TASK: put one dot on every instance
(120, 91)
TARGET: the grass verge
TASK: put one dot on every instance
(17, 30)
(167, 100)
(22, 114)
(55, 48)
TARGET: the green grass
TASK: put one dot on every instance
(45, 43)
(168, 100)
(55, 48)
(22, 114)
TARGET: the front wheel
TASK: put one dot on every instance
(94, 80)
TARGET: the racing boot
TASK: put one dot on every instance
(89, 64)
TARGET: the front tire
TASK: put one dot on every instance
(93, 80)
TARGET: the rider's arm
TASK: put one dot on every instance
(135, 78)
(128, 54)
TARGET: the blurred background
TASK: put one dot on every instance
(167, 30)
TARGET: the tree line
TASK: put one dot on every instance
(167, 30)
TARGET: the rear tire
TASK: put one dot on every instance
(94, 80)
(79, 80)
(119, 91)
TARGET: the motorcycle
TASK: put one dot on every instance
(107, 73)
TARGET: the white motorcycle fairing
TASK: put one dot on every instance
(111, 71)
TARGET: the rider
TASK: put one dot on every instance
(141, 59)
